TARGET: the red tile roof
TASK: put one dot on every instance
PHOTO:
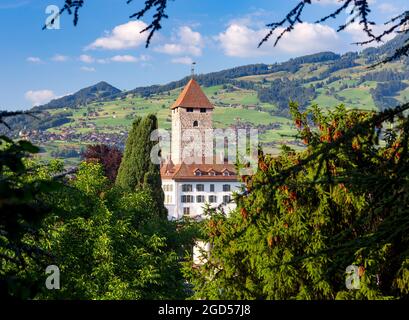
(192, 96)
(187, 172)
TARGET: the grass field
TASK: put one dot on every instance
(232, 105)
(228, 116)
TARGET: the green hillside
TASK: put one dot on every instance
(254, 95)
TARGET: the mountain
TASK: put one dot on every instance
(105, 92)
(99, 91)
(255, 95)
(221, 77)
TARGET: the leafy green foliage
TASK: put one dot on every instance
(21, 213)
(108, 244)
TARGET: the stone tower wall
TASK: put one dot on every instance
(183, 131)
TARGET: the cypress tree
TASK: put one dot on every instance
(137, 171)
(127, 173)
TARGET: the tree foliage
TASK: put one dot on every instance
(137, 170)
(108, 243)
(109, 157)
(21, 211)
(306, 216)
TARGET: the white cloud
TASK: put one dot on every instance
(306, 38)
(86, 58)
(60, 58)
(39, 97)
(130, 59)
(124, 58)
(34, 60)
(186, 41)
(183, 60)
(88, 69)
(358, 35)
(118, 58)
(124, 36)
(102, 61)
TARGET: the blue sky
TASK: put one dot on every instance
(36, 65)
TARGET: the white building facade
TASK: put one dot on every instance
(189, 197)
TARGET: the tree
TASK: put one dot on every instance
(109, 157)
(109, 244)
(21, 212)
(306, 216)
(137, 170)
(127, 177)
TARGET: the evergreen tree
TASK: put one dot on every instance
(305, 217)
(127, 177)
(137, 170)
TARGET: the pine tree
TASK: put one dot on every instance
(137, 171)
(307, 216)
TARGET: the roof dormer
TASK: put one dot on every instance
(212, 172)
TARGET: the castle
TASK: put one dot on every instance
(191, 178)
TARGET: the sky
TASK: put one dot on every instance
(39, 65)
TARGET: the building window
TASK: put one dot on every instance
(212, 199)
(186, 211)
(187, 188)
(212, 173)
(168, 199)
(203, 110)
(195, 123)
(189, 109)
(226, 173)
(198, 173)
(212, 188)
(168, 187)
(187, 199)
(200, 199)
(200, 187)
(226, 199)
(226, 188)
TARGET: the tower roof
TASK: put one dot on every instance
(192, 96)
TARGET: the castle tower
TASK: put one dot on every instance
(191, 117)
